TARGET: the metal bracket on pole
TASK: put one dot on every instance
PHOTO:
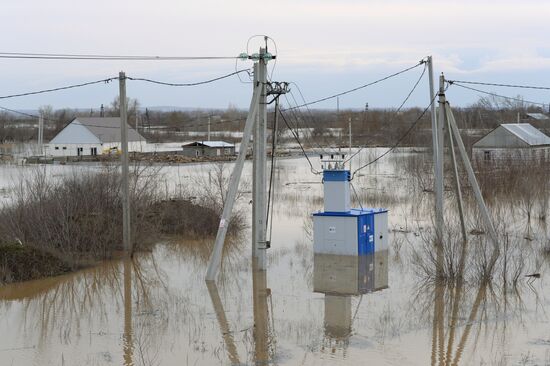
(216, 256)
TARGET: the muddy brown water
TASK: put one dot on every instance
(305, 309)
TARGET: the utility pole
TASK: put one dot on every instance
(216, 256)
(102, 111)
(41, 134)
(439, 165)
(126, 240)
(259, 164)
(208, 127)
(349, 133)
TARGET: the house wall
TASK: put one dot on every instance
(198, 151)
(488, 155)
(65, 149)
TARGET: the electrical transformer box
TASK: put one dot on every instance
(354, 232)
(342, 230)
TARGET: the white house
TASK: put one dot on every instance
(512, 141)
(90, 136)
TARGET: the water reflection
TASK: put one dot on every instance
(339, 278)
(227, 335)
(127, 337)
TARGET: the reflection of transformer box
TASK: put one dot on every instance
(340, 277)
(350, 275)
(343, 231)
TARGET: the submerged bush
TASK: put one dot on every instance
(20, 263)
(78, 218)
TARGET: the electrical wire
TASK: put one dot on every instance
(313, 170)
(409, 130)
(65, 56)
(189, 84)
(423, 61)
(356, 195)
(398, 109)
(271, 190)
(299, 125)
(496, 95)
(309, 113)
(105, 81)
(502, 85)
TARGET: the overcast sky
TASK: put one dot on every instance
(325, 46)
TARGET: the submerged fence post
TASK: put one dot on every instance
(126, 239)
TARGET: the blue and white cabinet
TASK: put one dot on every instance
(342, 230)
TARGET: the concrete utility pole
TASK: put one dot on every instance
(259, 165)
(439, 163)
(209, 128)
(41, 134)
(216, 256)
(349, 129)
(126, 239)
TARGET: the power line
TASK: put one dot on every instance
(398, 109)
(362, 86)
(502, 85)
(65, 56)
(312, 117)
(409, 130)
(299, 125)
(496, 95)
(18, 112)
(105, 81)
(299, 143)
(108, 80)
(189, 84)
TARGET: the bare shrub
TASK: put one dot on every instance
(78, 217)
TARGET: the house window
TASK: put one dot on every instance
(64, 147)
(57, 147)
(93, 151)
(197, 153)
(486, 155)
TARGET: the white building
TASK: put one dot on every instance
(90, 136)
(512, 141)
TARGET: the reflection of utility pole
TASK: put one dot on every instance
(223, 323)
(127, 339)
(261, 313)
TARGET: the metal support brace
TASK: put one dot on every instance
(473, 182)
(457, 183)
(216, 256)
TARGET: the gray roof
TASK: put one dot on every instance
(527, 133)
(107, 129)
(539, 116)
(209, 144)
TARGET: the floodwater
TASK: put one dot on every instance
(305, 309)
